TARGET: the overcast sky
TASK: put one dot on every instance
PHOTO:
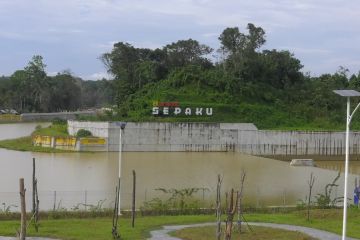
(72, 34)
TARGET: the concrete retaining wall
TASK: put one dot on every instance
(237, 137)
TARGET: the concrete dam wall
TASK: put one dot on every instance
(208, 137)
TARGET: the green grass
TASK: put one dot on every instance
(54, 130)
(25, 144)
(257, 233)
(100, 228)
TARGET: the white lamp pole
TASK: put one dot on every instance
(347, 94)
(348, 119)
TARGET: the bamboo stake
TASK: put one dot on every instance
(23, 210)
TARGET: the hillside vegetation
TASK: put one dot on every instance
(247, 83)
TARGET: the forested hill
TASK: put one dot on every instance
(246, 83)
(242, 81)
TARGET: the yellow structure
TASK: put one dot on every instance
(10, 118)
(65, 141)
(42, 141)
(92, 141)
(70, 143)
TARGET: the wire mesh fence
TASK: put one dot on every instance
(90, 200)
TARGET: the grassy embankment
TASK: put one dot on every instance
(25, 143)
(100, 228)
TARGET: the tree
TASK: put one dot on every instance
(232, 40)
(241, 58)
(36, 83)
(65, 93)
(134, 67)
(185, 52)
(256, 37)
(280, 69)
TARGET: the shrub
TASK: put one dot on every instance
(58, 121)
(83, 133)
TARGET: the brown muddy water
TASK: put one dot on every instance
(77, 180)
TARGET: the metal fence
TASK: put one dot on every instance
(96, 200)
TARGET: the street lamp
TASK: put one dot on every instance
(348, 94)
(121, 126)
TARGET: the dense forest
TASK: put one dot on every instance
(242, 81)
(31, 90)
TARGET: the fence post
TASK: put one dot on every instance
(284, 198)
(85, 200)
(23, 210)
(54, 200)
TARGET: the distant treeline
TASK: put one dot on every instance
(31, 90)
(242, 80)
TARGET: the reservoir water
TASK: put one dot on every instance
(76, 180)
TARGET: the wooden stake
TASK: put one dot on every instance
(115, 233)
(23, 210)
(231, 210)
(218, 208)
(33, 189)
(240, 195)
(133, 199)
(311, 184)
(36, 217)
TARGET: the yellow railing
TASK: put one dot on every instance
(39, 140)
(92, 141)
(66, 142)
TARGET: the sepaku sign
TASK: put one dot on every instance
(174, 109)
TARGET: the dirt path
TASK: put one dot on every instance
(319, 234)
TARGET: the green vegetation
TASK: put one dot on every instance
(247, 84)
(32, 90)
(207, 233)
(54, 130)
(177, 202)
(25, 144)
(83, 133)
(100, 228)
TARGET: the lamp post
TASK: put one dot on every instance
(121, 126)
(348, 94)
